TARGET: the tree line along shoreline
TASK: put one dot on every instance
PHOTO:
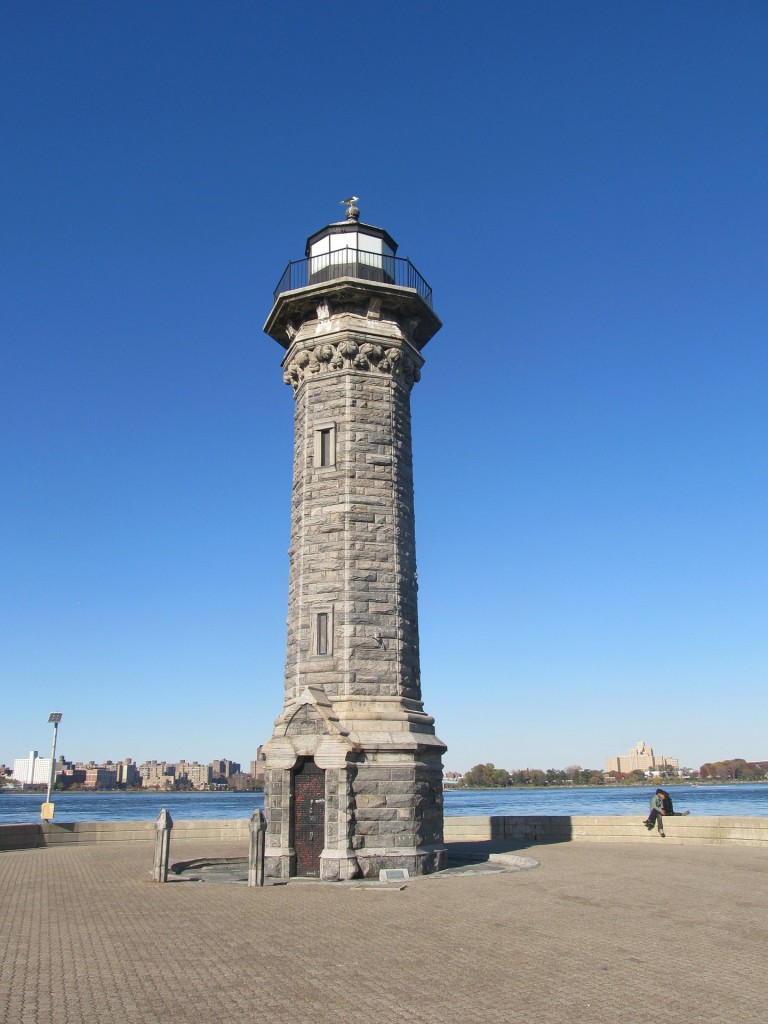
(487, 776)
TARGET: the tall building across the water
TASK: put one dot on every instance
(32, 770)
(640, 758)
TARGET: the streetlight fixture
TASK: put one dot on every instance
(46, 811)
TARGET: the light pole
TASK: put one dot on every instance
(46, 811)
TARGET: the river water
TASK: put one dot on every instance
(748, 800)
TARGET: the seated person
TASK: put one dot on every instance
(657, 809)
(666, 805)
(661, 806)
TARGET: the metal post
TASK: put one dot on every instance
(257, 826)
(163, 826)
(46, 811)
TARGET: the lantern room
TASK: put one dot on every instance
(351, 249)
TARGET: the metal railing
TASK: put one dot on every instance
(366, 266)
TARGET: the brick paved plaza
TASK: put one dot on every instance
(597, 933)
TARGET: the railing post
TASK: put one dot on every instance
(257, 826)
(163, 826)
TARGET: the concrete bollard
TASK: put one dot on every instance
(163, 826)
(257, 826)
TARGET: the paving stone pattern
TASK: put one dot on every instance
(646, 934)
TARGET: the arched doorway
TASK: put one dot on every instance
(308, 817)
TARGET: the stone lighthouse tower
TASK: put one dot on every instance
(353, 768)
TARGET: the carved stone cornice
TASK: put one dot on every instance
(375, 299)
(325, 356)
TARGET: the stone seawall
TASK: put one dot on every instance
(532, 829)
(28, 836)
(496, 832)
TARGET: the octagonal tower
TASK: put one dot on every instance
(353, 772)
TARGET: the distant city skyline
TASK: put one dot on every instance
(585, 194)
(126, 773)
(641, 756)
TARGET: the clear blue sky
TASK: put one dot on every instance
(584, 187)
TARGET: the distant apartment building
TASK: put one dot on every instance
(71, 774)
(223, 769)
(257, 766)
(640, 758)
(196, 775)
(32, 770)
(100, 777)
(127, 772)
(241, 782)
(156, 775)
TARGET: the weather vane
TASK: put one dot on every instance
(352, 211)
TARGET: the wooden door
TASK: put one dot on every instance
(308, 818)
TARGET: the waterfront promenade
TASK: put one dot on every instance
(602, 933)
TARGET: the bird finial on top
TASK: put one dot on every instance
(352, 211)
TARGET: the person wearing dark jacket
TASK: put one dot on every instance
(666, 806)
(661, 806)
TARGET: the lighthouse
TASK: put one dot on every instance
(353, 769)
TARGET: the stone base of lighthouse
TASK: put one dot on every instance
(351, 787)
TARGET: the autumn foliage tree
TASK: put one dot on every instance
(734, 770)
(486, 776)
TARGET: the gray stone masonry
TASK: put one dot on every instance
(352, 699)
